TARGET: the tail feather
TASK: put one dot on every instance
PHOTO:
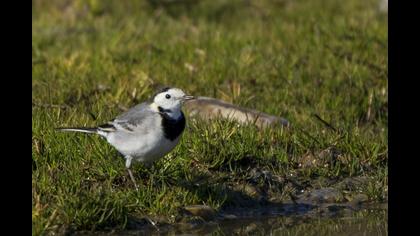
(83, 130)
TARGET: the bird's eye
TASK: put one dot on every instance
(167, 96)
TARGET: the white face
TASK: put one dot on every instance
(170, 99)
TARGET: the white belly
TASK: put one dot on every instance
(147, 147)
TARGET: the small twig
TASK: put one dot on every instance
(324, 122)
(152, 223)
(51, 219)
(369, 110)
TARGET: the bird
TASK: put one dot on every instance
(147, 131)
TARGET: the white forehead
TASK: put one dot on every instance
(161, 99)
(174, 92)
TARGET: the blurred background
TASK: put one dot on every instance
(290, 53)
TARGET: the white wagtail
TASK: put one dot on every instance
(147, 131)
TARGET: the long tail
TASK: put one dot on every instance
(83, 130)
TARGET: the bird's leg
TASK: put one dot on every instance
(132, 179)
(127, 165)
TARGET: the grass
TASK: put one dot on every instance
(289, 58)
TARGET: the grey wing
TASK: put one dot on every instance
(132, 118)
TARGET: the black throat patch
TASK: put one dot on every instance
(171, 128)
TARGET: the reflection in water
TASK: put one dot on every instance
(361, 223)
(364, 222)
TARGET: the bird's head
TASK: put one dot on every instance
(170, 99)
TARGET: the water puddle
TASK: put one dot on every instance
(372, 221)
(369, 222)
